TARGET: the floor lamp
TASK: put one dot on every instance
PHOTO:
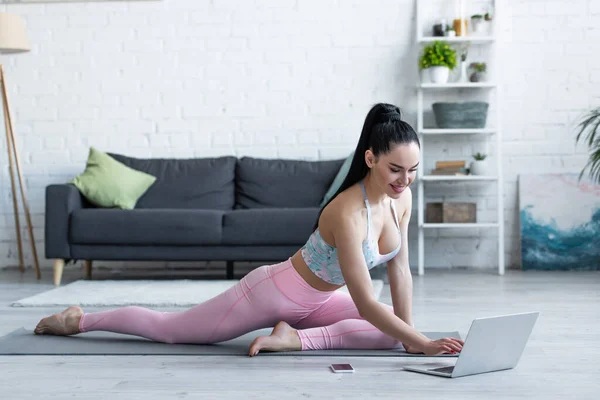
(14, 40)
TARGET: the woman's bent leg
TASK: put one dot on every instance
(251, 304)
(338, 325)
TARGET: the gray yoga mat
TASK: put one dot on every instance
(24, 342)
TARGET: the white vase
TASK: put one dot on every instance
(463, 72)
(439, 74)
(480, 167)
(478, 26)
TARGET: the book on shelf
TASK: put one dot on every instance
(450, 171)
(456, 168)
(450, 164)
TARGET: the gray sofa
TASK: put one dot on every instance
(204, 209)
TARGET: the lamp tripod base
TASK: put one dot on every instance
(13, 158)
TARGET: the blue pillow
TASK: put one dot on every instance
(338, 180)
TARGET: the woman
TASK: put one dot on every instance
(364, 224)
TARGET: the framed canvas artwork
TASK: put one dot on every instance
(559, 222)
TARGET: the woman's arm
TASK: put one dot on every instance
(348, 240)
(399, 275)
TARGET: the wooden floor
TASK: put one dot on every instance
(561, 360)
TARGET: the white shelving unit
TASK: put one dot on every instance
(459, 39)
(454, 226)
(488, 134)
(460, 85)
(458, 131)
(458, 178)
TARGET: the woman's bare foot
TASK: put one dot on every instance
(64, 323)
(283, 338)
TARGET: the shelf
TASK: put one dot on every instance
(483, 48)
(458, 85)
(458, 39)
(461, 225)
(458, 178)
(457, 131)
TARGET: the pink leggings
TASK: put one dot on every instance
(265, 296)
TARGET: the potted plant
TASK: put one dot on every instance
(479, 166)
(450, 32)
(439, 59)
(477, 23)
(590, 128)
(478, 74)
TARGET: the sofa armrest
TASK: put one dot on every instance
(61, 201)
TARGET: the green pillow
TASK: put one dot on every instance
(109, 183)
(338, 180)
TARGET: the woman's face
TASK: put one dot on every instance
(396, 170)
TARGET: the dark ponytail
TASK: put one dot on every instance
(383, 127)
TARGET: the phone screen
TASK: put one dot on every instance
(342, 368)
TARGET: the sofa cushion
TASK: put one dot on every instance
(266, 183)
(106, 182)
(269, 226)
(195, 183)
(146, 227)
(338, 180)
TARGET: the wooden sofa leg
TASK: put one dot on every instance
(229, 269)
(59, 264)
(88, 269)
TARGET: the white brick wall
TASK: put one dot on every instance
(292, 79)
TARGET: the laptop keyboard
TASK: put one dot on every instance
(444, 369)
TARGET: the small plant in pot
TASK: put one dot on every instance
(480, 165)
(479, 70)
(477, 23)
(439, 59)
(424, 71)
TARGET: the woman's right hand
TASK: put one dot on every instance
(443, 346)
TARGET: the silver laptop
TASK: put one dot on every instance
(492, 344)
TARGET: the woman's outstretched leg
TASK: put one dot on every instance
(253, 303)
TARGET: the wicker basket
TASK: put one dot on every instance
(470, 114)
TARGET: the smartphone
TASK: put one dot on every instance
(341, 368)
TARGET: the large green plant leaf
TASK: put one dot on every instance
(588, 132)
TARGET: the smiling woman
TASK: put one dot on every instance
(389, 147)
(363, 225)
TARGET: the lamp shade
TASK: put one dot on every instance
(12, 34)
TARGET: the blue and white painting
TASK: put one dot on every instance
(560, 222)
